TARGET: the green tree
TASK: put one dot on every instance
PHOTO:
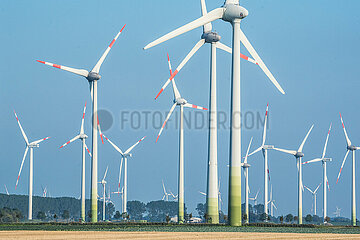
(327, 219)
(308, 218)
(167, 219)
(136, 209)
(245, 217)
(289, 218)
(110, 209)
(201, 209)
(296, 218)
(65, 214)
(117, 215)
(281, 219)
(41, 215)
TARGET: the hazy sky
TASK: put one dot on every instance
(311, 47)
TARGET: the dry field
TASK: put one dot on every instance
(70, 235)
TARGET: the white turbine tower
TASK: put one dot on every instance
(264, 149)
(31, 145)
(103, 183)
(166, 194)
(272, 203)
(324, 160)
(246, 166)
(179, 101)
(92, 77)
(351, 148)
(314, 193)
(213, 38)
(298, 155)
(124, 156)
(233, 13)
(81, 136)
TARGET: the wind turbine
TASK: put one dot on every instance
(81, 136)
(166, 195)
(92, 77)
(324, 160)
(44, 189)
(272, 203)
(233, 13)
(213, 38)
(31, 145)
(298, 155)
(351, 148)
(179, 101)
(264, 149)
(103, 183)
(124, 156)
(314, 193)
(254, 198)
(246, 166)
(7, 192)
(337, 212)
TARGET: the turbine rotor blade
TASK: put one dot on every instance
(105, 173)
(197, 46)
(247, 151)
(286, 151)
(167, 118)
(342, 165)
(82, 121)
(132, 147)
(21, 166)
(207, 27)
(229, 50)
(346, 136)
(70, 141)
(39, 141)
(303, 142)
(326, 142)
(314, 160)
(87, 149)
(211, 16)
(262, 65)
(116, 147)
(21, 129)
(81, 72)
(101, 60)
(265, 125)
(189, 105)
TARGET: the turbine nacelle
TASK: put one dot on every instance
(83, 136)
(351, 148)
(33, 145)
(245, 165)
(233, 11)
(180, 101)
(326, 160)
(125, 155)
(211, 37)
(299, 155)
(93, 76)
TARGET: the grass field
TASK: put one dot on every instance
(136, 227)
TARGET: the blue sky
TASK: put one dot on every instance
(310, 47)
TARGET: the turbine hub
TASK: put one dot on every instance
(211, 37)
(180, 101)
(246, 165)
(83, 136)
(351, 148)
(93, 76)
(33, 145)
(299, 155)
(233, 12)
